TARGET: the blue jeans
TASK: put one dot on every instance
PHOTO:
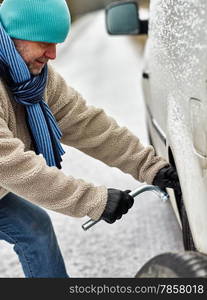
(29, 228)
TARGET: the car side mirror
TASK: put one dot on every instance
(122, 18)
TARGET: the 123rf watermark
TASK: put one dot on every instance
(159, 289)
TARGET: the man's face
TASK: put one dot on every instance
(35, 54)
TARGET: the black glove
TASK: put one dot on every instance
(118, 203)
(167, 177)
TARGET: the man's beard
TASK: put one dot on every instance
(34, 70)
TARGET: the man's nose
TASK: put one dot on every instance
(51, 52)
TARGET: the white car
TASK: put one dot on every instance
(175, 93)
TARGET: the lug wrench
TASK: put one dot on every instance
(144, 188)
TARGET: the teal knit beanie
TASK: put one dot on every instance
(36, 20)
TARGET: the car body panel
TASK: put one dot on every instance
(175, 93)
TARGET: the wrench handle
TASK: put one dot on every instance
(163, 195)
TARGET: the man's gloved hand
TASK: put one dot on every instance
(118, 203)
(167, 177)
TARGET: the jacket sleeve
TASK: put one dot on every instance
(90, 130)
(26, 174)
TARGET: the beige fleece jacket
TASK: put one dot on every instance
(86, 128)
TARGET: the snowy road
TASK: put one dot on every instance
(106, 71)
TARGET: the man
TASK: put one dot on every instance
(37, 112)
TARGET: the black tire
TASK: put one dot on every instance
(187, 264)
(187, 235)
(188, 242)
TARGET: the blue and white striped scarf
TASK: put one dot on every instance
(28, 90)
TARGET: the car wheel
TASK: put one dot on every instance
(187, 235)
(186, 231)
(187, 264)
